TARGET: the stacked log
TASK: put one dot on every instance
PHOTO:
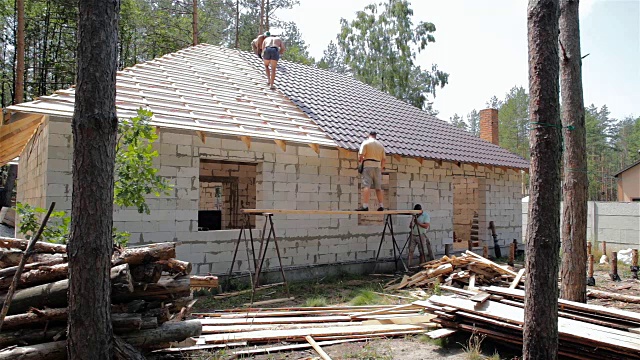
(150, 299)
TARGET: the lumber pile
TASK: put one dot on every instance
(469, 269)
(585, 331)
(150, 299)
(294, 325)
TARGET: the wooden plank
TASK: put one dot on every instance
(220, 329)
(516, 281)
(275, 349)
(405, 320)
(202, 136)
(246, 140)
(481, 297)
(272, 335)
(317, 348)
(275, 320)
(492, 265)
(472, 282)
(441, 333)
(268, 302)
(198, 348)
(565, 304)
(281, 144)
(635, 330)
(328, 212)
(385, 311)
(315, 147)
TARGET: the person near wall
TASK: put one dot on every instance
(272, 47)
(420, 225)
(256, 45)
(372, 161)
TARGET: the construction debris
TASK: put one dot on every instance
(585, 331)
(469, 270)
(150, 298)
(306, 327)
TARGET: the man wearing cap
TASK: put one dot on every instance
(272, 47)
(372, 161)
(420, 225)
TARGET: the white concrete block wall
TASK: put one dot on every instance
(617, 223)
(297, 178)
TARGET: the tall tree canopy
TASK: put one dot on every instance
(380, 47)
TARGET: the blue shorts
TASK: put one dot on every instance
(271, 53)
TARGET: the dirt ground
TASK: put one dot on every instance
(369, 290)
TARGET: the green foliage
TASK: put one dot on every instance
(333, 59)
(58, 225)
(297, 49)
(380, 48)
(458, 122)
(366, 297)
(473, 119)
(316, 301)
(56, 231)
(136, 176)
(513, 117)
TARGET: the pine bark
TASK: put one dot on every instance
(94, 124)
(540, 338)
(19, 92)
(146, 254)
(9, 185)
(574, 225)
(41, 247)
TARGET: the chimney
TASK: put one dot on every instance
(489, 126)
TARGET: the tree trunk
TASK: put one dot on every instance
(19, 93)
(10, 271)
(146, 254)
(613, 296)
(30, 336)
(34, 317)
(124, 351)
(11, 258)
(166, 289)
(261, 16)
(47, 351)
(9, 185)
(95, 126)
(195, 22)
(55, 294)
(237, 24)
(540, 338)
(175, 266)
(574, 225)
(147, 273)
(168, 332)
(38, 276)
(41, 247)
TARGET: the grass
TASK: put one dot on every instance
(473, 347)
(366, 297)
(369, 352)
(442, 342)
(316, 301)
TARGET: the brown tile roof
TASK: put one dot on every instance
(346, 109)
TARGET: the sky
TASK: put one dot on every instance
(482, 44)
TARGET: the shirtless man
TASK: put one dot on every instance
(273, 47)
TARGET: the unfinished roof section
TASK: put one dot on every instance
(346, 109)
(203, 88)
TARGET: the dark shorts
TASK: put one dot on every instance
(271, 53)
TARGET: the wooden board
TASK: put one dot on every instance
(317, 348)
(268, 302)
(329, 212)
(219, 329)
(273, 335)
(516, 281)
(275, 349)
(441, 333)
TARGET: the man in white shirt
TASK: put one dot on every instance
(272, 48)
(372, 161)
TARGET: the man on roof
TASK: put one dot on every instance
(272, 47)
(256, 45)
(372, 161)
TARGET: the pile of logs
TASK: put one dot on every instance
(150, 299)
(467, 270)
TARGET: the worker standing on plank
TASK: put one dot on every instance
(420, 225)
(273, 47)
(372, 161)
(256, 45)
